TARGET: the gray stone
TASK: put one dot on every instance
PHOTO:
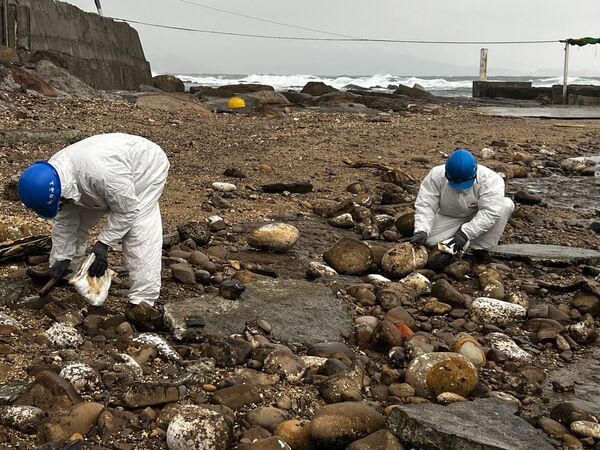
(298, 311)
(11, 391)
(483, 424)
(12, 290)
(546, 253)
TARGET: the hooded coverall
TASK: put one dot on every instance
(123, 176)
(480, 211)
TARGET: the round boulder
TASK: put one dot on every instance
(349, 256)
(197, 427)
(84, 379)
(275, 237)
(335, 426)
(63, 335)
(168, 83)
(433, 374)
(405, 223)
(404, 259)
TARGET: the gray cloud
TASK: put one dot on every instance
(184, 52)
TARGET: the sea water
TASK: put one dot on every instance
(438, 85)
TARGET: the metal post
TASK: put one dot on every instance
(566, 74)
(98, 7)
(483, 64)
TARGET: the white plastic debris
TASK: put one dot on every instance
(444, 247)
(93, 289)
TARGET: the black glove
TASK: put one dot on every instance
(459, 241)
(60, 269)
(100, 264)
(420, 237)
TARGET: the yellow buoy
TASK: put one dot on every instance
(236, 102)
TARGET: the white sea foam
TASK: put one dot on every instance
(460, 86)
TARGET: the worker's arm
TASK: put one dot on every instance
(489, 205)
(119, 193)
(64, 233)
(427, 204)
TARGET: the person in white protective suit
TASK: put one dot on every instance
(118, 175)
(463, 201)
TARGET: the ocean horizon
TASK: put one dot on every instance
(447, 86)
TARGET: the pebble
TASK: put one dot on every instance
(267, 417)
(197, 427)
(84, 379)
(296, 433)
(490, 310)
(380, 440)
(183, 273)
(552, 428)
(507, 348)
(335, 426)
(342, 221)
(445, 398)
(418, 282)
(77, 419)
(445, 292)
(285, 363)
(432, 374)
(277, 237)
(403, 259)
(349, 256)
(586, 429)
(164, 349)
(224, 187)
(470, 348)
(319, 270)
(436, 307)
(25, 419)
(62, 335)
(235, 397)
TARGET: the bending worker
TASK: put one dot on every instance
(464, 201)
(118, 175)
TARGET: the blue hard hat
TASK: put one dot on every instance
(461, 169)
(39, 189)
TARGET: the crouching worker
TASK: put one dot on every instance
(462, 201)
(118, 175)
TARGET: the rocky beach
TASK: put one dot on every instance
(294, 313)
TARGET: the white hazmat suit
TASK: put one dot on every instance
(481, 211)
(123, 176)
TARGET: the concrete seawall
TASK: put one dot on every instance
(103, 53)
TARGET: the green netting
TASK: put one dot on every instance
(583, 41)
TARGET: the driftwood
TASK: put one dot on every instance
(21, 248)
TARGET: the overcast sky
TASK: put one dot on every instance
(185, 52)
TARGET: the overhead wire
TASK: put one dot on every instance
(260, 19)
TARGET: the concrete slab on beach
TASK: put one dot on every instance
(546, 253)
(554, 112)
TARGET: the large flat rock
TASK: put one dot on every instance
(300, 312)
(484, 424)
(546, 253)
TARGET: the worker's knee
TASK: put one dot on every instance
(507, 207)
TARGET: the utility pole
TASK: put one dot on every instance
(98, 7)
(566, 75)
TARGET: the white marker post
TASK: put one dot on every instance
(483, 64)
(566, 74)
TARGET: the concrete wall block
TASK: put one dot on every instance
(103, 53)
